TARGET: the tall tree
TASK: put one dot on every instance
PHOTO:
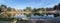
(55, 7)
(28, 8)
(59, 6)
(34, 10)
(0, 8)
(3, 7)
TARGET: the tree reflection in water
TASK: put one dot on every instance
(38, 14)
(56, 15)
(28, 15)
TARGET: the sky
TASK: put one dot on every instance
(21, 4)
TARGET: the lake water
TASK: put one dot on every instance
(35, 16)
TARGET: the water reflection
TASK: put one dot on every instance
(42, 17)
(56, 15)
(20, 16)
(32, 16)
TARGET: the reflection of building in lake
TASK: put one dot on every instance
(45, 10)
(27, 11)
(13, 12)
(18, 11)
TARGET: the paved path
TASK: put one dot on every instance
(5, 22)
(54, 20)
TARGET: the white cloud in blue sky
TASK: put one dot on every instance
(21, 4)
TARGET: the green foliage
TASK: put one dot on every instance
(3, 6)
(57, 7)
(9, 14)
(9, 9)
(6, 19)
(27, 8)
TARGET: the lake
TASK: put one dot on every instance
(32, 16)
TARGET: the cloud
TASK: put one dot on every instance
(5, 1)
(51, 5)
(1, 1)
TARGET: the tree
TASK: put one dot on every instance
(3, 7)
(34, 10)
(59, 6)
(9, 9)
(42, 8)
(55, 7)
(0, 9)
(38, 9)
(47, 9)
(28, 8)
